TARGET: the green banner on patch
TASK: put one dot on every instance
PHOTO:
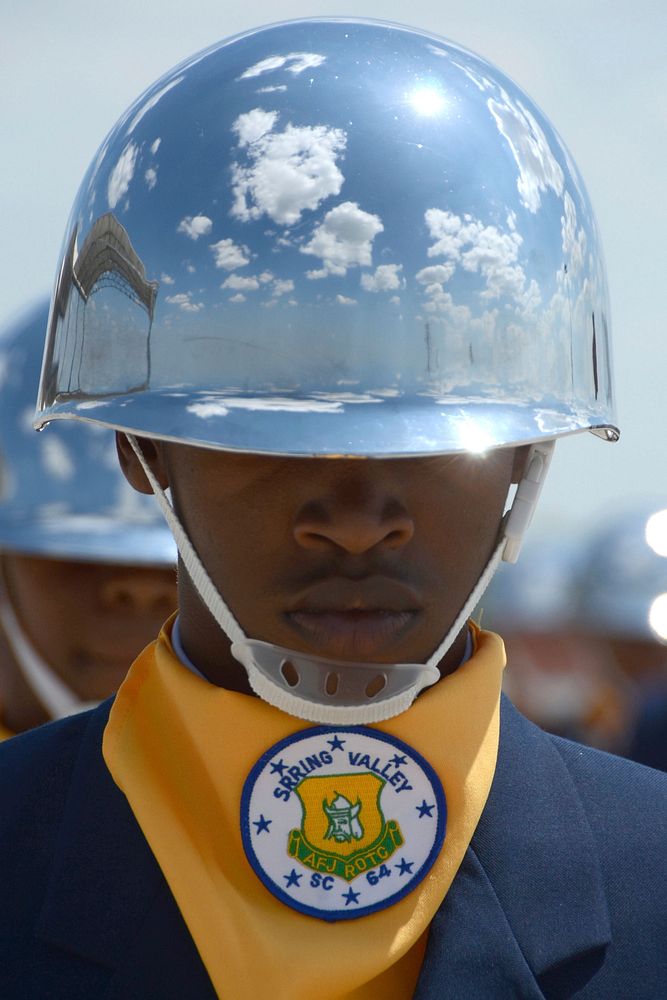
(347, 868)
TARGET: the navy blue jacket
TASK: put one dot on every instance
(561, 892)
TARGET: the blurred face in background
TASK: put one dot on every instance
(86, 620)
(568, 685)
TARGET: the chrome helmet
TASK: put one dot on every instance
(62, 494)
(333, 237)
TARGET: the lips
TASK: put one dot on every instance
(360, 619)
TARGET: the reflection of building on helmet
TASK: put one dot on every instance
(106, 260)
(108, 255)
(62, 497)
(309, 301)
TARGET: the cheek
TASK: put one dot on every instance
(52, 616)
(456, 533)
(473, 505)
(65, 605)
(237, 543)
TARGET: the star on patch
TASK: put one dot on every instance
(336, 743)
(262, 824)
(350, 896)
(425, 810)
(278, 768)
(404, 867)
(397, 760)
(294, 878)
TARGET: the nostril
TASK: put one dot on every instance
(120, 597)
(289, 672)
(397, 537)
(354, 533)
(139, 591)
(309, 538)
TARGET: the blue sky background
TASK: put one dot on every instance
(68, 70)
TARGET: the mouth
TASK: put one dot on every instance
(359, 620)
(360, 635)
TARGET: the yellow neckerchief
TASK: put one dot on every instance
(181, 748)
(5, 733)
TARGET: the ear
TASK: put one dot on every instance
(131, 466)
(520, 459)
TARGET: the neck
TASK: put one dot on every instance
(206, 644)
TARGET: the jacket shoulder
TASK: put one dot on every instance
(35, 775)
(625, 802)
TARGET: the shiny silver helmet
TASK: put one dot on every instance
(62, 494)
(332, 237)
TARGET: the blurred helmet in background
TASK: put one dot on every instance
(621, 589)
(565, 681)
(62, 494)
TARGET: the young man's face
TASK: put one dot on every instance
(88, 620)
(358, 560)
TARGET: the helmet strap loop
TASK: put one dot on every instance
(193, 564)
(56, 698)
(527, 494)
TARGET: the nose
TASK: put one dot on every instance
(355, 519)
(140, 589)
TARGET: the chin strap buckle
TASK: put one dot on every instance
(525, 500)
(331, 691)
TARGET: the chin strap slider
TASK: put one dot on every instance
(525, 501)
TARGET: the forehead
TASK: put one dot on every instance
(405, 474)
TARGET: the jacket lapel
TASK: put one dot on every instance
(529, 896)
(107, 901)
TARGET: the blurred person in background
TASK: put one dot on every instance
(619, 606)
(86, 564)
(556, 676)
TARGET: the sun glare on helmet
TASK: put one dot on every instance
(475, 439)
(656, 532)
(427, 101)
(657, 617)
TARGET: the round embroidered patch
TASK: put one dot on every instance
(339, 822)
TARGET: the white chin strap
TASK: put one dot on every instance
(57, 699)
(336, 691)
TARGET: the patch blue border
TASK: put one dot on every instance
(332, 916)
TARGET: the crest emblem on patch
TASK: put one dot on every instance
(342, 822)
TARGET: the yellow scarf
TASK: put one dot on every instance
(181, 749)
(5, 733)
